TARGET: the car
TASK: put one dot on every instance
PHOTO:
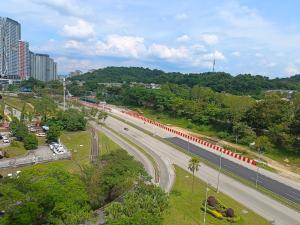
(41, 134)
(126, 128)
(5, 140)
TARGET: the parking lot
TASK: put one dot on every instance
(40, 155)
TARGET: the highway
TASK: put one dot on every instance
(164, 179)
(241, 171)
(253, 199)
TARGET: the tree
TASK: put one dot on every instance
(111, 176)
(73, 120)
(45, 108)
(194, 165)
(144, 205)
(18, 129)
(30, 142)
(53, 133)
(22, 117)
(102, 116)
(44, 195)
(263, 143)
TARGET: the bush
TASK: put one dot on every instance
(30, 142)
(230, 212)
(53, 133)
(212, 201)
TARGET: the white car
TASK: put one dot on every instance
(5, 140)
(41, 134)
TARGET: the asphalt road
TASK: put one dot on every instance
(266, 182)
(253, 199)
(127, 147)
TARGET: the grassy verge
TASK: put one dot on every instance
(224, 171)
(106, 145)
(15, 149)
(185, 205)
(17, 103)
(141, 150)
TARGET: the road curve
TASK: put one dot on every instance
(165, 181)
(253, 199)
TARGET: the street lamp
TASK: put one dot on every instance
(205, 204)
(188, 144)
(220, 167)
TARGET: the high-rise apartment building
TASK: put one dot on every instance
(45, 67)
(10, 34)
(32, 72)
(24, 60)
(16, 61)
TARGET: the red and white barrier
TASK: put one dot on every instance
(193, 138)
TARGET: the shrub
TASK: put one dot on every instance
(30, 142)
(212, 201)
(230, 212)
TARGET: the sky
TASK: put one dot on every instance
(244, 36)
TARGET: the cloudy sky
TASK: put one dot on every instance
(244, 36)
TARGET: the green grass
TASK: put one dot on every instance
(17, 103)
(106, 145)
(79, 143)
(185, 205)
(15, 149)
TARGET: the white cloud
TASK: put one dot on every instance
(79, 29)
(183, 38)
(236, 53)
(259, 55)
(165, 52)
(125, 46)
(292, 69)
(66, 7)
(206, 60)
(198, 48)
(210, 39)
(181, 16)
(67, 64)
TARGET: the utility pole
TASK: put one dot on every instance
(220, 167)
(257, 171)
(189, 144)
(64, 85)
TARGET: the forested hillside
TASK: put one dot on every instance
(244, 84)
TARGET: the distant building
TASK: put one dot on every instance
(32, 64)
(75, 73)
(16, 61)
(45, 68)
(10, 34)
(24, 60)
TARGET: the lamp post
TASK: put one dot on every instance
(64, 85)
(257, 171)
(220, 167)
(205, 204)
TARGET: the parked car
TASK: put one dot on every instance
(41, 134)
(5, 140)
(125, 128)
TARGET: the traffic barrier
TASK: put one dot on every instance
(192, 138)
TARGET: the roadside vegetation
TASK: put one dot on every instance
(239, 109)
(185, 204)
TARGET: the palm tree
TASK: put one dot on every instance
(194, 165)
